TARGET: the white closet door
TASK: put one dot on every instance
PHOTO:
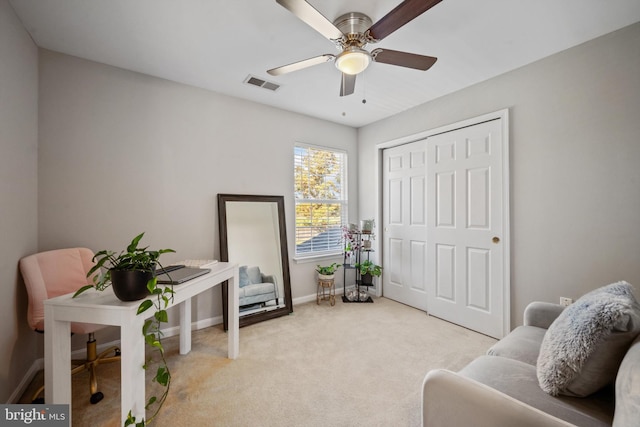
(466, 227)
(404, 224)
(445, 225)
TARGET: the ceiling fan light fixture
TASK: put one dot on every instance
(353, 60)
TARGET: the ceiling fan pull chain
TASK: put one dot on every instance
(364, 89)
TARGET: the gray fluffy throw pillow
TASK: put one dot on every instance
(583, 348)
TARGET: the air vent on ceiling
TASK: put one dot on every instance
(255, 81)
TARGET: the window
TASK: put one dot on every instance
(320, 198)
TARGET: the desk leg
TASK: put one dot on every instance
(185, 326)
(234, 314)
(132, 386)
(57, 359)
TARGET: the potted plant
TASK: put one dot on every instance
(368, 270)
(327, 272)
(367, 241)
(127, 272)
(137, 266)
(367, 225)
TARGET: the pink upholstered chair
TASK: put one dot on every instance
(58, 272)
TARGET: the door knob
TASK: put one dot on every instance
(496, 239)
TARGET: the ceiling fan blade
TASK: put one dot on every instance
(347, 84)
(301, 64)
(403, 59)
(400, 15)
(312, 17)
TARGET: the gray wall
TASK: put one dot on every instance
(122, 152)
(18, 194)
(575, 156)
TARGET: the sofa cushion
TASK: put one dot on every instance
(628, 388)
(254, 274)
(582, 349)
(523, 344)
(243, 277)
(259, 289)
(518, 380)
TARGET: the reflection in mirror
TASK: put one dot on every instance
(253, 235)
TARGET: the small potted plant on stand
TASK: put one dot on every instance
(131, 273)
(327, 272)
(368, 270)
(325, 283)
(367, 225)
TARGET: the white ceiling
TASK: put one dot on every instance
(216, 44)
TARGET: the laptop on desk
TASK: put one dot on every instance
(175, 276)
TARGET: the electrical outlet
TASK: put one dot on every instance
(565, 301)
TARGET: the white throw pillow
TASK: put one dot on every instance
(583, 348)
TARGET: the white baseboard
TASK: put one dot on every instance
(339, 291)
(36, 366)
(302, 300)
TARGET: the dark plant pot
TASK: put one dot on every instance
(130, 285)
(367, 279)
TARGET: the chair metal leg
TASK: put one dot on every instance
(38, 400)
(89, 364)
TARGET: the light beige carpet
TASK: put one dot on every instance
(346, 365)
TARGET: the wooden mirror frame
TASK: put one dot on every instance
(224, 256)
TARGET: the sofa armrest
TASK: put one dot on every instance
(271, 279)
(449, 399)
(541, 314)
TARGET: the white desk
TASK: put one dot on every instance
(105, 309)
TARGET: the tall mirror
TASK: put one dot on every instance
(253, 235)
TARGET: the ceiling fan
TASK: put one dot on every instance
(351, 32)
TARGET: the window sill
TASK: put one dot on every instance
(316, 258)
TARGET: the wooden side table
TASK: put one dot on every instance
(326, 291)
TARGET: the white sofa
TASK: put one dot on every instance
(256, 287)
(502, 387)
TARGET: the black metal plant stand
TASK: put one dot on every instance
(358, 277)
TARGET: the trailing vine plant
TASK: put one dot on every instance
(160, 298)
(153, 337)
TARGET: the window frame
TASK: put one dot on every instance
(343, 201)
